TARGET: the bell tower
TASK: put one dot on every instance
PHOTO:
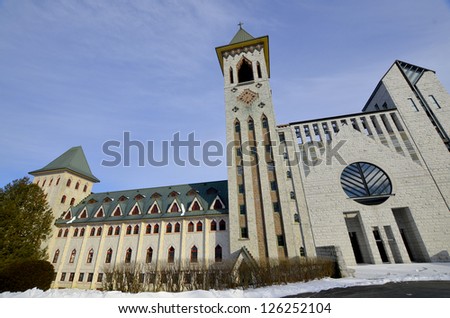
(256, 218)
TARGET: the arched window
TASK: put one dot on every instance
(136, 229)
(156, 229)
(128, 255)
(199, 226)
(194, 254)
(245, 71)
(251, 125)
(77, 185)
(117, 230)
(148, 229)
(191, 227)
(90, 256)
(110, 230)
(85, 188)
(177, 227)
(63, 199)
(149, 256)
(129, 228)
(231, 75)
(60, 232)
(57, 181)
(222, 225)
(237, 126)
(82, 232)
(50, 183)
(43, 183)
(99, 231)
(171, 255)
(169, 228)
(66, 232)
(56, 256)
(72, 256)
(109, 256)
(72, 201)
(258, 69)
(218, 253)
(75, 233)
(92, 231)
(68, 183)
(37, 182)
(213, 225)
(264, 122)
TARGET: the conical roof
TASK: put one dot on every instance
(241, 36)
(72, 160)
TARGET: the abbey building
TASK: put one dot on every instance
(368, 187)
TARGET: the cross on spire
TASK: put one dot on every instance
(240, 24)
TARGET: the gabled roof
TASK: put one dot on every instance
(411, 72)
(204, 196)
(241, 36)
(73, 160)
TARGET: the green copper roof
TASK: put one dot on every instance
(241, 36)
(205, 194)
(72, 160)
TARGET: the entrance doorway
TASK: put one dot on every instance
(380, 245)
(355, 246)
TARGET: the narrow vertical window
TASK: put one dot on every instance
(191, 227)
(82, 232)
(136, 229)
(72, 201)
(77, 185)
(258, 69)
(148, 229)
(413, 105)
(194, 254)
(222, 225)
(92, 231)
(72, 256)
(231, 76)
(68, 183)
(109, 256)
(63, 199)
(60, 232)
(156, 229)
(99, 231)
(199, 226)
(66, 232)
(213, 225)
(117, 230)
(55, 256)
(110, 230)
(129, 228)
(90, 256)
(171, 255)
(128, 255)
(85, 188)
(218, 254)
(434, 101)
(177, 227)
(149, 256)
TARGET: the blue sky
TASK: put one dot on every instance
(83, 72)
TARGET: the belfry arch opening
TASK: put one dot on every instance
(245, 71)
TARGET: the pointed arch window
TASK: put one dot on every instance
(92, 231)
(213, 225)
(68, 183)
(135, 211)
(218, 254)
(82, 232)
(43, 183)
(55, 257)
(85, 188)
(50, 183)
(57, 181)
(222, 225)
(177, 227)
(60, 232)
(264, 122)
(109, 254)
(63, 199)
(169, 228)
(154, 209)
(77, 185)
(245, 70)
(237, 126)
(83, 214)
(251, 125)
(99, 213)
(117, 211)
(136, 229)
(195, 205)
(199, 226)
(174, 207)
(258, 69)
(171, 255)
(129, 229)
(66, 232)
(110, 230)
(194, 254)
(68, 215)
(148, 229)
(128, 255)
(149, 256)
(99, 231)
(191, 227)
(72, 201)
(117, 230)
(231, 76)
(72, 256)
(75, 233)
(156, 229)
(217, 204)
(90, 256)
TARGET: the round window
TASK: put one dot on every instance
(366, 183)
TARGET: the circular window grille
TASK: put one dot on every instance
(366, 183)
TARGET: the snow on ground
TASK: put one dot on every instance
(363, 275)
